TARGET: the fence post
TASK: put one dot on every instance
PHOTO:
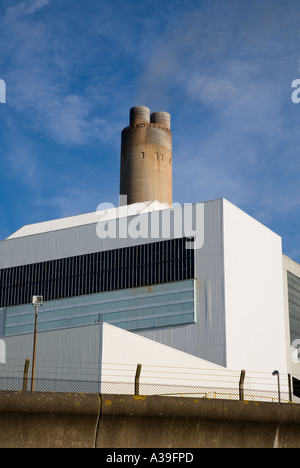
(241, 384)
(25, 375)
(137, 379)
(276, 372)
(290, 388)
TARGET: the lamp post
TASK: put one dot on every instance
(276, 372)
(37, 301)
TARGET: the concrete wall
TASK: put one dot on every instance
(48, 420)
(43, 420)
(160, 422)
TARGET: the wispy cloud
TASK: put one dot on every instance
(70, 202)
(27, 7)
(23, 165)
(233, 72)
(40, 81)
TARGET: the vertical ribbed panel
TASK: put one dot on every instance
(111, 270)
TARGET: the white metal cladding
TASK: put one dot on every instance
(82, 357)
(255, 322)
(102, 358)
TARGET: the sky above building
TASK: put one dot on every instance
(223, 69)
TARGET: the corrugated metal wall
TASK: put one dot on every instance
(206, 338)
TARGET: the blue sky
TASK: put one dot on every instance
(223, 69)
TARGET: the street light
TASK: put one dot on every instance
(276, 372)
(37, 301)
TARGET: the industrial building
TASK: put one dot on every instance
(201, 285)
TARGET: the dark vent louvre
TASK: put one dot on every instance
(140, 265)
(296, 387)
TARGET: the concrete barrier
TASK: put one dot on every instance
(60, 420)
(165, 422)
(48, 420)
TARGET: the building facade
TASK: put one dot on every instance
(203, 279)
(223, 300)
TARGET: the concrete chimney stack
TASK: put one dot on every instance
(146, 157)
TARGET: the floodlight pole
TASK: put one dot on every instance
(34, 348)
(37, 301)
(276, 372)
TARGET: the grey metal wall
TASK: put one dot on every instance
(207, 337)
(84, 239)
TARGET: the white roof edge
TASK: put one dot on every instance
(106, 211)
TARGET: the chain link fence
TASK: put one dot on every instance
(120, 378)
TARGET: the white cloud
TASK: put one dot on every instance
(225, 73)
(23, 164)
(27, 7)
(70, 202)
(40, 87)
(35, 5)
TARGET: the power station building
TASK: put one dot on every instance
(200, 285)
